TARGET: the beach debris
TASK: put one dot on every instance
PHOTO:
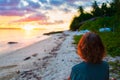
(29, 75)
(11, 42)
(39, 59)
(34, 63)
(8, 66)
(34, 55)
(61, 37)
(27, 58)
(46, 57)
(44, 64)
(54, 32)
(18, 72)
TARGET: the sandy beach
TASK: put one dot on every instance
(47, 58)
(25, 59)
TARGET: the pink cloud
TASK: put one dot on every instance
(34, 17)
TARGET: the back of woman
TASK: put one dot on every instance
(89, 71)
(91, 50)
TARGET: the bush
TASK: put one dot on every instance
(77, 38)
(99, 23)
(74, 24)
(111, 40)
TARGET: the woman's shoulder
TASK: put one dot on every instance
(78, 66)
(83, 65)
(105, 63)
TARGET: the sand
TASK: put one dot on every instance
(30, 57)
(55, 66)
(50, 59)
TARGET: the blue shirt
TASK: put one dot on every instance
(90, 71)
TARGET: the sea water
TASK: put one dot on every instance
(21, 37)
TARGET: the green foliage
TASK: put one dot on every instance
(117, 6)
(103, 11)
(110, 39)
(85, 16)
(100, 23)
(77, 38)
(74, 24)
(96, 10)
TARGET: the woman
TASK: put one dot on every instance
(92, 51)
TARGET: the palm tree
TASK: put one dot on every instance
(96, 10)
(81, 10)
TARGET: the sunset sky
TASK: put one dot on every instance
(41, 11)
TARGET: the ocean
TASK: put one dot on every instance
(25, 36)
(21, 38)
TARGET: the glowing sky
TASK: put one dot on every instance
(44, 11)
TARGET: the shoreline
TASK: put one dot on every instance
(24, 59)
(56, 66)
(22, 45)
(40, 38)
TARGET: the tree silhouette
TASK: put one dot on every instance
(117, 8)
(75, 24)
(103, 11)
(96, 10)
(81, 10)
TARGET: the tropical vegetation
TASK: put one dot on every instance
(106, 15)
(105, 10)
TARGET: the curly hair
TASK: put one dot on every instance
(90, 48)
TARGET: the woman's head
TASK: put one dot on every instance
(91, 48)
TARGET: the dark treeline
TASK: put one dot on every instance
(105, 10)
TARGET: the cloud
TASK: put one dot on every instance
(12, 6)
(33, 17)
(40, 18)
(57, 2)
(34, 3)
(51, 23)
(9, 2)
